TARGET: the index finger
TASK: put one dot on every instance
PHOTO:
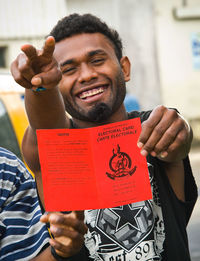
(49, 47)
(149, 125)
(30, 51)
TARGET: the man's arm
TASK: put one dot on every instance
(166, 135)
(45, 109)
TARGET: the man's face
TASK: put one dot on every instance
(93, 82)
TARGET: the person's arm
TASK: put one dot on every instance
(45, 109)
(166, 135)
(44, 256)
(49, 255)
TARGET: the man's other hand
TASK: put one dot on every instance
(68, 231)
(165, 134)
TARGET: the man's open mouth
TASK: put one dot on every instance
(92, 92)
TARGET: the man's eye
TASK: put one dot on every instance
(68, 70)
(98, 61)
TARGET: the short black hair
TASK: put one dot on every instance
(76, 24)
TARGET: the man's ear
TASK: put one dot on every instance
(126, 67)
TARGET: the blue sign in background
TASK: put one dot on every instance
(195, 38)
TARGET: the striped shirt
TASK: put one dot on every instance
(22, 235)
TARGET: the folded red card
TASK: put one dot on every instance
(93, 168)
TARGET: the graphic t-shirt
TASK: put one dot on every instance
(130, 232)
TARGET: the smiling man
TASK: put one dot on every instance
(93, 100)
(82, 70)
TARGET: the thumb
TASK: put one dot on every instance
(48, 79)
(44, 218)
(36, 81)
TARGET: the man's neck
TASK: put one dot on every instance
(119, 115)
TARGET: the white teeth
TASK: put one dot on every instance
(91, 92)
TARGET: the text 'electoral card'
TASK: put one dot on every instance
(93, 168)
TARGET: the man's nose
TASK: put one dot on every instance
(87, 73)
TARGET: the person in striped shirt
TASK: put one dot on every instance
(22, 235)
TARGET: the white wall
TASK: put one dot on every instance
(180, 81)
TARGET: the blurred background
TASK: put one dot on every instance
(161, 39)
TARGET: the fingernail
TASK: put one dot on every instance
(163, 154)
(52, 242)
(50, 40)
(140, 144)
(53, 229)
(144, 153)
(153, 154)
(36, 81)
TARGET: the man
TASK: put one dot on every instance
(85, 75)
(22, 235)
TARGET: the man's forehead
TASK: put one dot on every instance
(80, 44)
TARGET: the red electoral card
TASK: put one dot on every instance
(93, 168)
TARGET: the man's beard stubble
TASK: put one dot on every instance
(100, 113)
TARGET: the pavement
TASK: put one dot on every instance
(194, 223)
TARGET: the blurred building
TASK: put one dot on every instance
(161, 38)
(178, 48)
(23, 22)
